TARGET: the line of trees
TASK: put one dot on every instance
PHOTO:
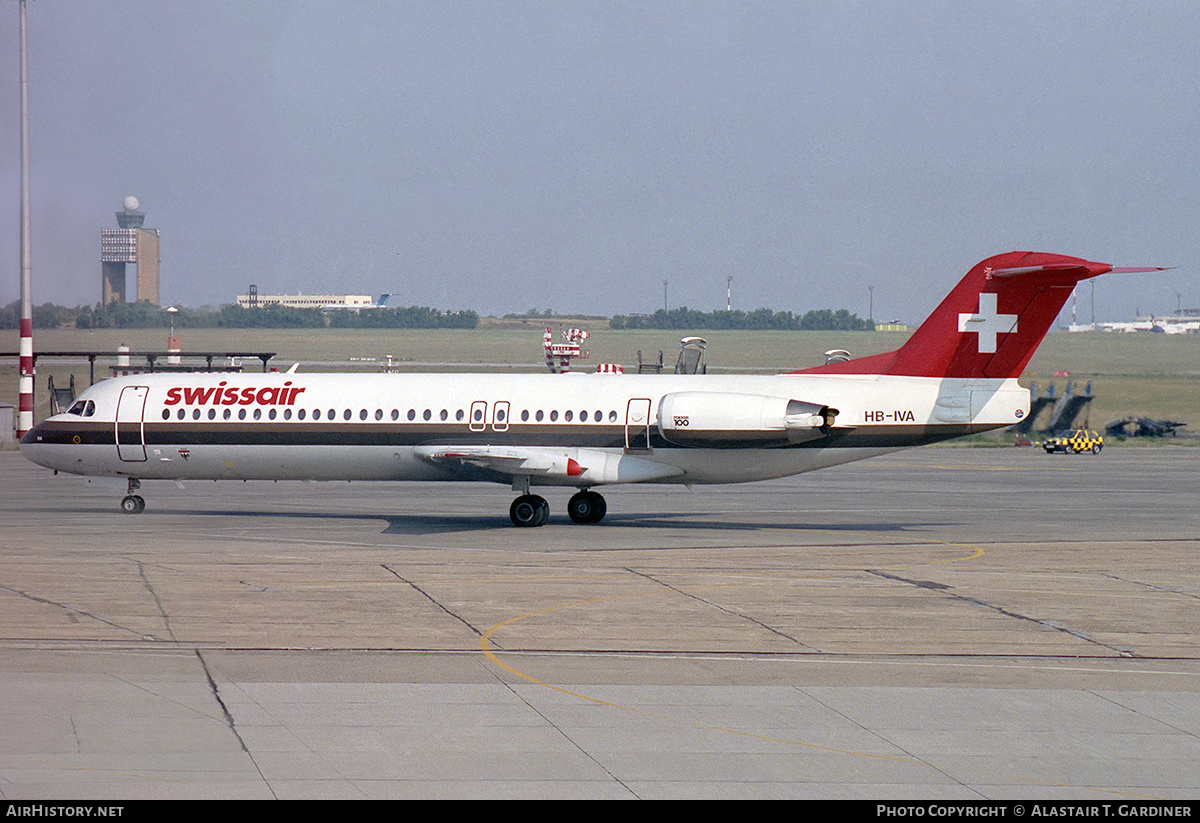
(410, 317)
(146, 315)
(685, 318)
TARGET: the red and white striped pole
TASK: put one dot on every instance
(25, 408)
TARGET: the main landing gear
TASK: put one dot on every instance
(587, 507)
(532, 510)
(529, 510)
(133, 503)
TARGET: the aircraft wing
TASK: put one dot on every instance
(572, 465)
(504, 459)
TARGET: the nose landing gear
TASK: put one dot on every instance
(133, 503)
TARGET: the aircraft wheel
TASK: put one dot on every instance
(587, 507)
(543, 511)
(133, 504)
(529, 510)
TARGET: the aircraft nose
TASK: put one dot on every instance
(33, 445)
(32, 436)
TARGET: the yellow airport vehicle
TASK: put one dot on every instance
(1076, 441)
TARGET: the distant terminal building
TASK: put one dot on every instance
(130, 243)
(305, 301)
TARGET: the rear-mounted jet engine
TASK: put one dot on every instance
(719, 420)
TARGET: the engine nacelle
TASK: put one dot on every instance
(727, 420)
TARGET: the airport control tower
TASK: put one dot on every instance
(129, 244)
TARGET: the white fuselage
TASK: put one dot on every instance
(577, 430)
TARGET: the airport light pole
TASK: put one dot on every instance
(25, 407)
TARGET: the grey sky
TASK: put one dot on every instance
(573, 155)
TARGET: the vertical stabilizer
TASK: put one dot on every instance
(990, 324)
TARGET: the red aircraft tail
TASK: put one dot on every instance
(990, 324)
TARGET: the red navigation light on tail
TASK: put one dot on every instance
(990, 324)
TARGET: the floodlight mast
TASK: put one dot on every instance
(25, 408)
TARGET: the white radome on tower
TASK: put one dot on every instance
(131, 203)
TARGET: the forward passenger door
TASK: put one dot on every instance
(130, 435)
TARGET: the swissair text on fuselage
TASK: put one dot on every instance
(219, 395)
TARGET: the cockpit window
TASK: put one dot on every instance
(83, 408)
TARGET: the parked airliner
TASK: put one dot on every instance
(957, 374)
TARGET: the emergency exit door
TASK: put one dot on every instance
(637, 424)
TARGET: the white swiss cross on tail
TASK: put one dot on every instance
(987, 323)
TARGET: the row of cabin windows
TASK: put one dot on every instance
(332, 414)
(569, 415)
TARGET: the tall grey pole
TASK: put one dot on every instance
(25, 409)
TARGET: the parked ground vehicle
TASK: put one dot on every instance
(1076, 441)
